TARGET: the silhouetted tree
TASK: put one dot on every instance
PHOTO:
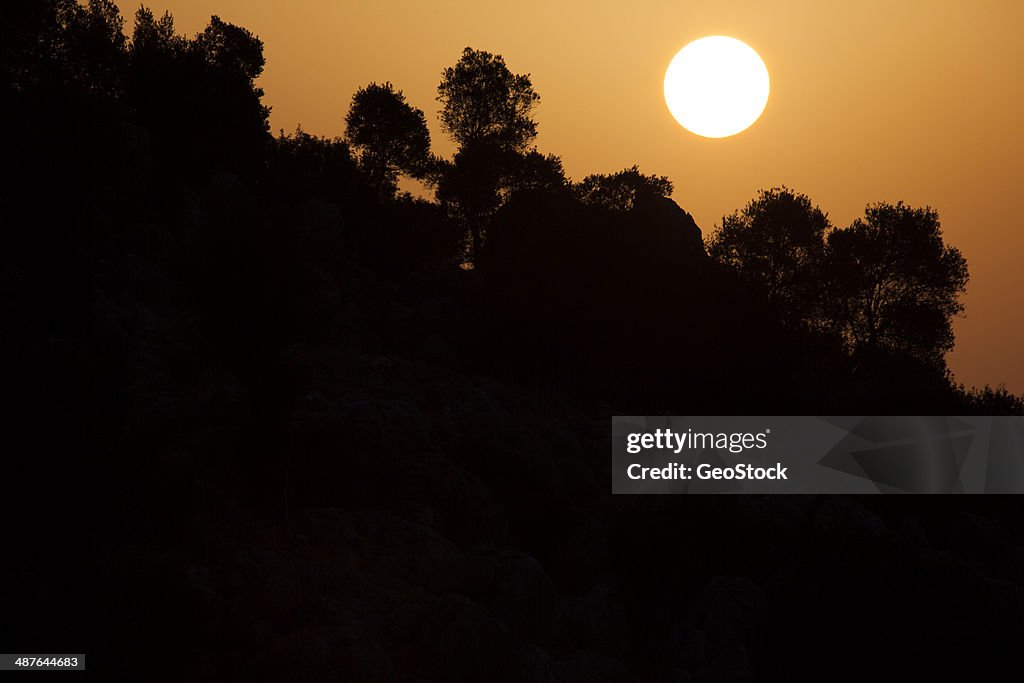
(892, 284)
(469, 188)
(487, 111)
(482, 101)
(536, 171)
(231, 48)
(100, 35)
(61, 43)
(619, 191)
(777, 243)
(154, 37)
(482, 178)
(226, 126)
(390, 136)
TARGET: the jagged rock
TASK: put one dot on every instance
(664, 225)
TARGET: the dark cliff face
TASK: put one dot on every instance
(662, 224)
(547, 234)
(606, 302)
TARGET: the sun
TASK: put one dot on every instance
(716, 86)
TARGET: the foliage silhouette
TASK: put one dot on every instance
(227, 126)
(304, 167)
(231, 48)
(488, 112)
(777, 243)
(390, 135)
(481, 178)
(993, 401)
(620, 191)
(892, 283)
(155, 37)
(61, 43)
(483, 102)
(535, 171)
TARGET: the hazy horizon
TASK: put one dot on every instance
(915, 102)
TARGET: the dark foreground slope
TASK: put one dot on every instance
(239, 457)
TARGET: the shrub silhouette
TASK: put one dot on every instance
(303, 166)
(620, 191)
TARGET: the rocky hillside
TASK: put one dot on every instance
(295, 474)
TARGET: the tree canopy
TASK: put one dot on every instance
(169, 111)
(488, 112)
(619, 191)
(885, 283)
(482, 101)
(776, 242)
(390, 136)
(892, 283)
(227, 125)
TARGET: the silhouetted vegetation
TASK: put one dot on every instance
(989, 401)
(391, 137)
(483, 102)
(267, 418)
(892, 283)
(488, 112)
(887, 283)
(620, 191)
(777, 243)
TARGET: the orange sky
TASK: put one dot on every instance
(920, 100)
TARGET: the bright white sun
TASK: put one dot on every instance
(716, 86)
